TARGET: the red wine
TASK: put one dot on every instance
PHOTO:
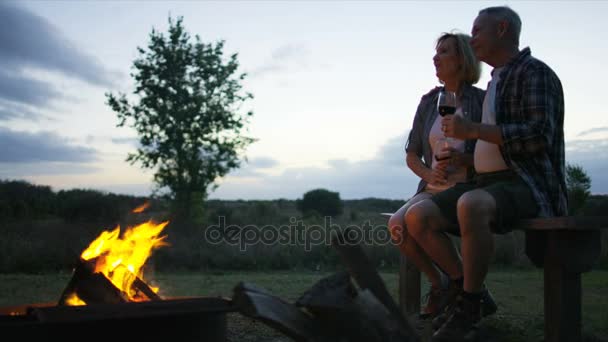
(446, 110)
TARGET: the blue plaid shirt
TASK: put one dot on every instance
(530, 113)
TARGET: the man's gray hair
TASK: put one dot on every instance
(507, 14)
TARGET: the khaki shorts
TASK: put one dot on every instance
(514, 199)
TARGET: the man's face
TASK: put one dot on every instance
(484, 37)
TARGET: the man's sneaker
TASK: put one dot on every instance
(453, 293)
(488, 304)
(488, 307)
(461, 325)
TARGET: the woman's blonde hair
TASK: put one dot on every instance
(470, 70)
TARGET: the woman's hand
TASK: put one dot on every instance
(455, 158)
(439, 174)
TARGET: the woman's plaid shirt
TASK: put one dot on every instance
(530, 112)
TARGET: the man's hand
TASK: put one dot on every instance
(455, 126)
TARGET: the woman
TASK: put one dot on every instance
(457, 69)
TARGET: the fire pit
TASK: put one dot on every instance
(107, 298)
(175, 319)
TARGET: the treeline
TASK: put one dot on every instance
(42, 230)
(21, 201)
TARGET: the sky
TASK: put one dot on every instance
(335, 86)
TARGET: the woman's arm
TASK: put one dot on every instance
(432, 176)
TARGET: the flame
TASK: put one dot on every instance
(121, 259)
(141, 208)
(74, 300)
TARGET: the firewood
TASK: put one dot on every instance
(377, 318)
(91, 287)
(141, 286)
(259, 304)
(335, 291)
(361, 269)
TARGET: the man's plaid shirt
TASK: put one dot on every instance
(530, 113)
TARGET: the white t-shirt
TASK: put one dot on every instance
(454, 174)
(487, 156)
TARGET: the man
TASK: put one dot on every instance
(519, 161)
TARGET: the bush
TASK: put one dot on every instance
(321, 201)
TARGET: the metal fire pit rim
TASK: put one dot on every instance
(52, 313)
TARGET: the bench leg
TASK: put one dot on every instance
(562, 299)
(409, 287)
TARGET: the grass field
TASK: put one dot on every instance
(518, 292)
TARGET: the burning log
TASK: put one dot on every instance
(108, 269)
(94, 287)
(90, 287)
(142, 287)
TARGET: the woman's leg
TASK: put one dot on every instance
(408, 246)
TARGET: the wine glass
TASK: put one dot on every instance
(441, 144)
(446, 105)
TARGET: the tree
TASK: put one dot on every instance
(188, 114)
(322, 201)
(578, 183)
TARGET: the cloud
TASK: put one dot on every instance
(25, 147)
(250, 169)
(11, 170)
(385, 176)
(263, 163)
(282, 59)
(289, 52)
(592, 156)
(28, 43)
(126, 141)
(587, 148)
(141, 189)
(593, 130)
(11, 110)
(20, 89)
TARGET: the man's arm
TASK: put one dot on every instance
(461, 128)
(530, 130)
(485, 132)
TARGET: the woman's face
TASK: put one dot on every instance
(446, 61)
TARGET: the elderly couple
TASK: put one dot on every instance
(506, 162)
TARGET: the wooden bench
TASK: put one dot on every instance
(562, 286)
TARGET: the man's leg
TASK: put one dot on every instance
(476, 211)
